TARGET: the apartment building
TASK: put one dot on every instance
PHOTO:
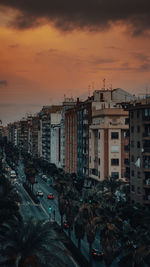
(108, 135)
(50, 117)
(84, 118)
(34, 137)
(139, 112)
(71, 141)
(108, 142)
(67, 104)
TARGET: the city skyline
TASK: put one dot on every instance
(48, 50)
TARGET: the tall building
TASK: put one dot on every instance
(84, 119)
(108, 140)
(50, 117)
(34, 137)
(139, 112)
(67, 104)
(71, 141)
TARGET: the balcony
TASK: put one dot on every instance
(147, 183)
(146, 134)
(146, 149)
(146, 199)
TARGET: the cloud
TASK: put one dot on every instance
(141, 56)
(86, 14)
(13, 46)
(97, 61)
(3, 83)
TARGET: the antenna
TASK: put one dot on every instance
(104, 80)
(93, 86)
(89, 89)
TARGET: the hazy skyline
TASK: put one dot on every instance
(49, 49)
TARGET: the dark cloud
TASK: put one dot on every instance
(13, 46)
(141, 56)
(111, 47)
(47, 52)
(97, 61)
(86, 14)
(3, 83)
(145, 67)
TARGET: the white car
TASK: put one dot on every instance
(39, 193)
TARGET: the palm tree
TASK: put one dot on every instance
(31, 243)
(9, 199)
(62, 207)
(91, 229)
(79, 229)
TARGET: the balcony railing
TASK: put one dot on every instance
(146, 149)
(146, 134)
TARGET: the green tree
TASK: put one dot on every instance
(31, 243)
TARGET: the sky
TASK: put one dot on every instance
(49, 49)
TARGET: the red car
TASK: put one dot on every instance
(50, 196)
(97, 254)
(66, 225)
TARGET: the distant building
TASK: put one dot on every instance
(67, 104)
(139, 112)
(84, 119)
(34, 137)
(71, 141)
(50, 117)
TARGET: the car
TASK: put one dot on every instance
(35, 181)
(97, 254)
(39, 193)
(66, 225)
(44, 177)
(50, 196)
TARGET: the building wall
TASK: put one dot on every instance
(108, 125)
(140, 152)
(71, 141)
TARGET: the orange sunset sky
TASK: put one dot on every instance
(51, 48)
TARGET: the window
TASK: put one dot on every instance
(114, 135)
(96, 133)
(132, 188)
(132, 158)
(115, 149)
(99, 161)
(126, 148)
(138, 175)
(132, 173)
(126, 161)
(114, 162)
(138, 129)
(115, 175)
(126, 120)
(132, 114)
(99, 174)
(139, 190)
(132, 129)
(132, 143)
(138, 144)
(138, 113)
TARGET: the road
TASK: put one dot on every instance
(41, 211)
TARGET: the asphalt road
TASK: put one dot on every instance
(41, 211)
